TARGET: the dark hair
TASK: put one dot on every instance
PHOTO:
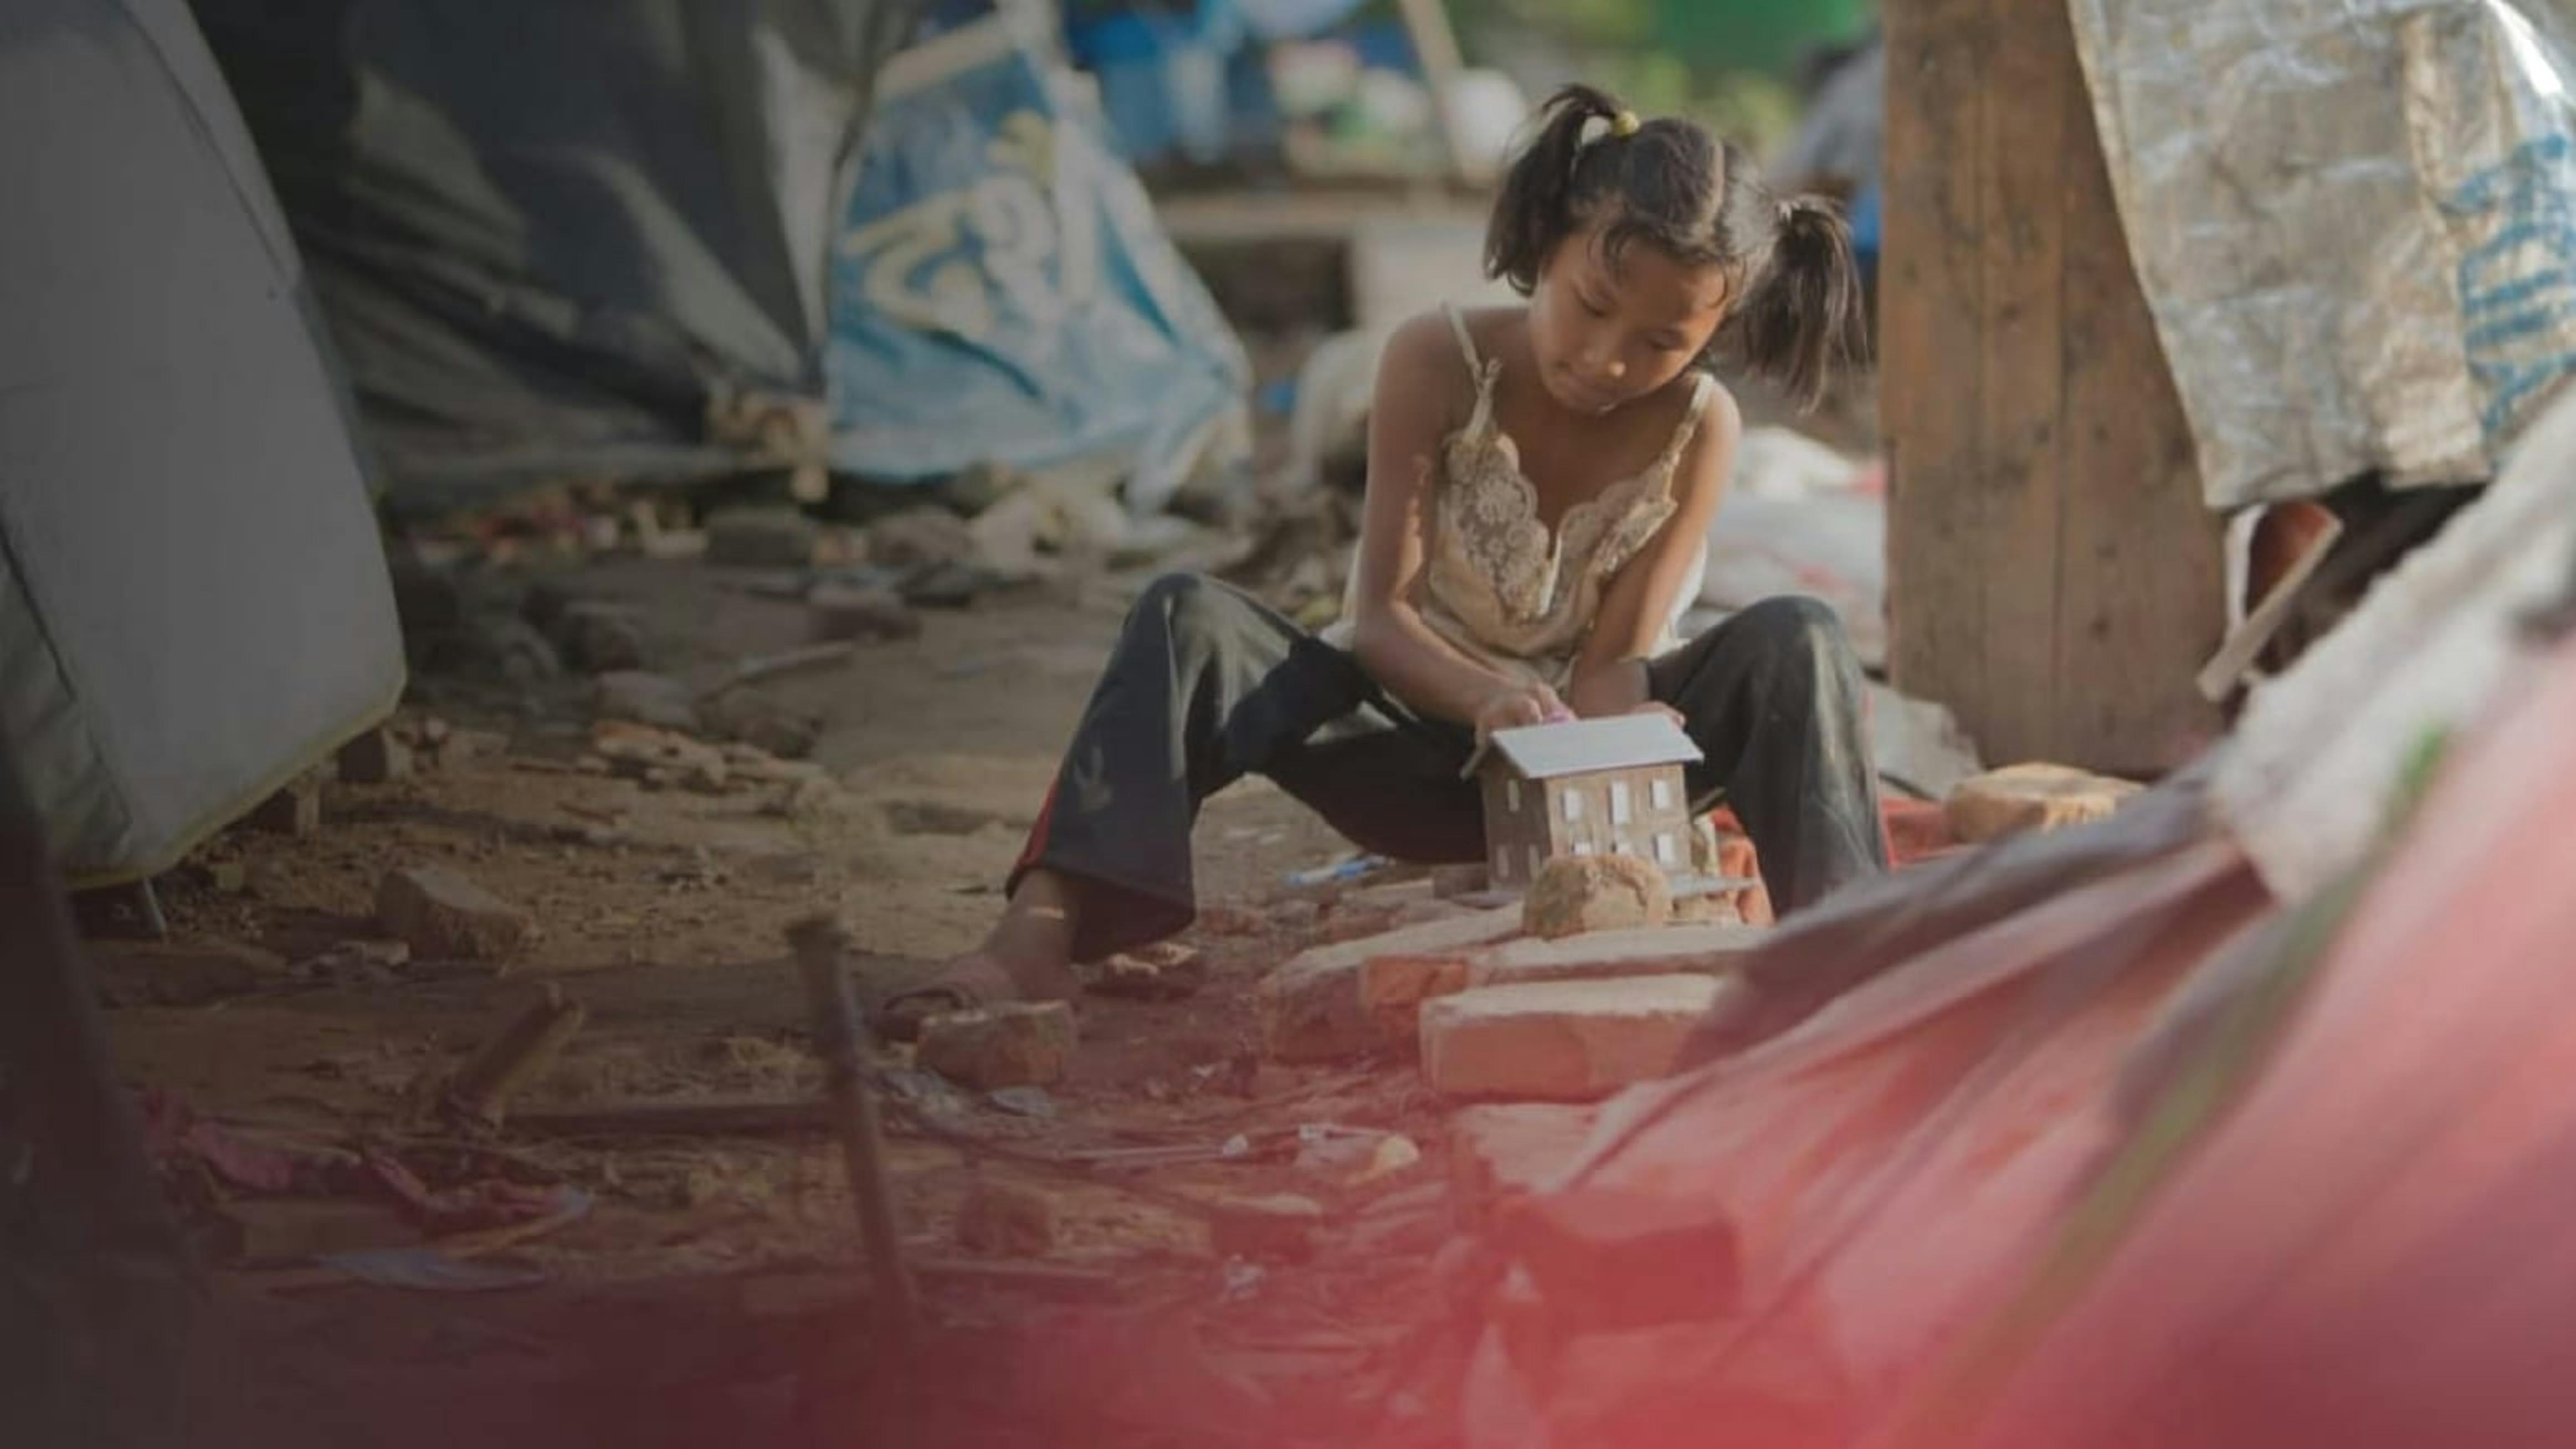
(1794, 293)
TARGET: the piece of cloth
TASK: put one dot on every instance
(1496, 583)
(1207, 685)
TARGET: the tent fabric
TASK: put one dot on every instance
(564, 239)
(194, 603)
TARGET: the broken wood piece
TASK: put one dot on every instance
(771, 666)
(519, 1055)
(1394, 988)
(2244, 643)
(821, 943)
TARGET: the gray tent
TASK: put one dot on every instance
(194, 605)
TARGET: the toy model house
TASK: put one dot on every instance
(1590, 787)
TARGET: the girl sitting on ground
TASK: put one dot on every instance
(1540, 483)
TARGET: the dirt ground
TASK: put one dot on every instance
(709, 1272)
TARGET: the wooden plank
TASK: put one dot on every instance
(2053, 577)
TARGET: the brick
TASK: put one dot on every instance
(1310, 1008)
(295, 810)
(2031, 797)
(443, 916)
(1017, 1044)
(1562, 1040)
(1574, 894)
(1393, 988)
(1500, 1151)
(375, 758)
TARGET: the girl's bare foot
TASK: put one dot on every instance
(1028, 956)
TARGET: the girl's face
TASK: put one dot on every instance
(1610, 334)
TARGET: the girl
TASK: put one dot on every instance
(1540, 483)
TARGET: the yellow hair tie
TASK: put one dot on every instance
(1624, 124)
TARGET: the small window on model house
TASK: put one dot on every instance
(1502, 860)
(1619, 802)
(1662, 793)
(1512, 796)
(1533, 862)
(1665, 853)
(1583, 847)
(1573, 804)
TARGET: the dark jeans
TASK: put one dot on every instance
(1206, 686)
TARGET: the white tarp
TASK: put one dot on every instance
(2355, 222)
(193, 600)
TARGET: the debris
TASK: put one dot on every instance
(922, 537)
(657, 1117)
(770, 666)
(1016, 1044)
(1164, 972)
(1030, 1102)
(1575, 894)
(444, 916)
(1006, 1219)
(1354, 1156)
(284, 1230)
(154, 973)
(2031, 797)
(641, 698)
(429, 1270)
(482, 1089)
(1500, 1151)
(1310, 1007)
(837, 612)
(761, 538)
(1280, 1226)
(755, 719)
(637, 750)
(1348, 868)
(595, 636)
(231, 877)
(1449, 882)
(375, 758)
(507, 646)
(1607, 1261)
(821, 944)
(1562, 1040)
(356, 963)
(1393, 988)
(294, 811)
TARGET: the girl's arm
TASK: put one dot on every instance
(1610, 671)
(1411, 412)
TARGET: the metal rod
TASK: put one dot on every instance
(820, 943)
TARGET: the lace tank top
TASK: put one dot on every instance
(1495, 583)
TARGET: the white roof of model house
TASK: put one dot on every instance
(1619, 742)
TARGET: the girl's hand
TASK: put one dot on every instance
(1516, 705)
(1667, 711)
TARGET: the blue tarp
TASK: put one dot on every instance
(1002, 293)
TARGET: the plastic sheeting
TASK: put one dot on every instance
(1002, 292)
(2355, 222)
(193, 601)
(565, 239)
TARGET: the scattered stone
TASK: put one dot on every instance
(1310, 1008)
(1562, 1040)
(513, 649)
(545, 602)
(444, 916)
(295, 811)
(357, 963)
(1018, 1044)
(1578, 893)
(1006, 1220)
(1280, 1226)
(2031, 797)
(1504, 1150)
(1449, 882)
(160, 973)
(920, 538)
(375, 758)
(597, 637)
(761, 538)
(755, 719)
(649, 699)
(1230, 921)
(231, 877)
(837, 611)
(1165, 972)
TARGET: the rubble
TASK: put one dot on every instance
(1503, 1150)
(295, 810)
(1016, 1044)
(1166, 972)
(153, 973)
(597, 637)
(1575, 894)
(1006, 1219)
(2031, 797)
(1280, 1226)
(356, 963)
(1562, 1040)
(1310, 1008)
(755, 719)
(649, 699)
(761, 538)
(920, 538)
(1393, 988)
(442, 915)
(840, 611)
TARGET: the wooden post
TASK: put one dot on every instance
(1435, 44)
(821, 943)
(2053, 575)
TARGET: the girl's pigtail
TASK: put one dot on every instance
(1806, 319)
(1530, 209)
